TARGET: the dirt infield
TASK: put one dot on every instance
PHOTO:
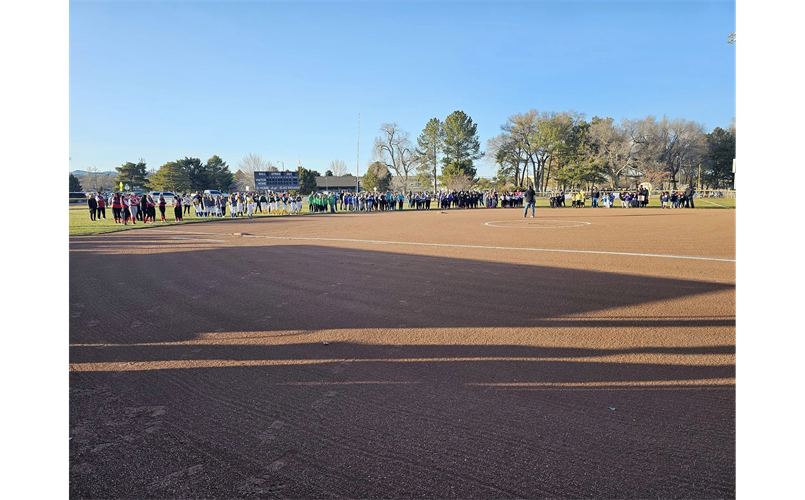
(580, 354)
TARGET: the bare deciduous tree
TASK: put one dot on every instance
(398, 184)
(540, 138)
(521, 131)
(247, 166)
(338, 167)
(557, 146)
(507, 153)
(252, 163)
(243, 180)
(461, 182)
(611, 144)
(665, 145)
(394, 149)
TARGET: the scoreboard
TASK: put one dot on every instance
(276, 181)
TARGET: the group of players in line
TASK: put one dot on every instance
(130, 208)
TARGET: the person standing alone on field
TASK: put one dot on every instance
(528, 201)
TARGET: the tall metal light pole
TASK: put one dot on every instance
(358, 161)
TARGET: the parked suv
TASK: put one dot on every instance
(167, 194)
(212, 192)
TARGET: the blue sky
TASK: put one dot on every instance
(165, 80)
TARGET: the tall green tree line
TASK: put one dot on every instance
(563, 149)
(549, 149)
(183, 175)
(446, 151)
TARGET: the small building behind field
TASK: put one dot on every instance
(346, 183)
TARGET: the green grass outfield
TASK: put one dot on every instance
(81, 225)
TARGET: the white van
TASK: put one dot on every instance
(167, 194)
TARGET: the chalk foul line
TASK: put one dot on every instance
(450, 245)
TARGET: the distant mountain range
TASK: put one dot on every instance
(84, 172)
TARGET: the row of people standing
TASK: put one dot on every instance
(628, 198)
(243, 204)
(375, 202)
(678, 199)
(368, 201)
(493, 198)
(128, 208)
(97, 207)
(459, 199)
(266, 203)
(278, 203)
(322, 203)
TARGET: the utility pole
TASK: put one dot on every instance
(733, 174)
(358, 161)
